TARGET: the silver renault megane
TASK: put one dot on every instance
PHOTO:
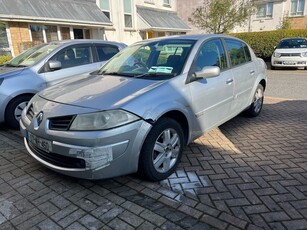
(140, 109)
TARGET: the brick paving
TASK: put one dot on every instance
(246, 174)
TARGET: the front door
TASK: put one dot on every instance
(212, 97)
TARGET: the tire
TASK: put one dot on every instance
(256, 107)
(14, 109)
(158, 164)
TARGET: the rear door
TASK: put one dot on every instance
(244, 74)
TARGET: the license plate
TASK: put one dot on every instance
(289, 63)
(40, 143)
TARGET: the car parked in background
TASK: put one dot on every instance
(140, 110)
(290, 52)
(46, 65)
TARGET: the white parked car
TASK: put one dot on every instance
(290, 52)
(143, 106)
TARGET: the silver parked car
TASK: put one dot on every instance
(45, 65)
(290, 52)
(143, 106)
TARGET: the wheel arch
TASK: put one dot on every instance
(181, 119)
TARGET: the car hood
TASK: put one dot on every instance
(99, 92)
(6, 71)
(296, 50)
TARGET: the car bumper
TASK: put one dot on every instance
(289, 62)
(116, 152)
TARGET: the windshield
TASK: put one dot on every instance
(155, 60)
(32, 55)
(292, 43)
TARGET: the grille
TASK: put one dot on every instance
(30, 112)
(60, 123)
(56, 159)
(290, 54)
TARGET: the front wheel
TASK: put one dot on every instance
(14, 109)
(162, 150)
(256, 107)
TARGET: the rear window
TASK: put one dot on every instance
(106, 52)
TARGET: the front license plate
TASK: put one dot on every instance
(40, 143)
(289, 63)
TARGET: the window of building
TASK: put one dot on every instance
(128, 13)
(65, 33)
(4, 42)
(37, 33)
(297, 7)
(167, 2)
(105, 7)
(150, 1)
(238, 52)
(51, 33)
(265, 10)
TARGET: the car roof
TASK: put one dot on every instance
(81, 41)
(195, 37)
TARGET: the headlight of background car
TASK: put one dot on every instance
(102, 120)
(304, 54)
(277, 54)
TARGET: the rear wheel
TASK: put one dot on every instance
(162, 150)
(14, 109)
(256, 107)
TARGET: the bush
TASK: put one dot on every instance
(263, 43)
(4, 59)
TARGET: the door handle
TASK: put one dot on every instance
(229, 81)
(252, 72)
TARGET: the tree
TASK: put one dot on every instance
(223, 15)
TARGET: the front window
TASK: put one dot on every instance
(127, 13)
(156, 60)
(292, 43)
(265, 10)
(32, 55)
(105, 7)
(297, 7)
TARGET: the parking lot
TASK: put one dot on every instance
(246, 174)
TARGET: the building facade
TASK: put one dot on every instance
(268, 16)
(27, 23)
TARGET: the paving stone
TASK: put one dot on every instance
(71, 218)
(91, 222)
(75, 226)
(146, 226)
(48, 224)
(152, 217)
(119, 224)
(131, 218)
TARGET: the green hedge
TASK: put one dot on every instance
(4, 59)
(263, 42)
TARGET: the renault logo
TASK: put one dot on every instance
(38, 120)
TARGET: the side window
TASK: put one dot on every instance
(212, 53)
(106, 52)
(74, 56)
(238, 52)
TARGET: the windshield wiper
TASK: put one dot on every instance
(118, 74)
(154, 74)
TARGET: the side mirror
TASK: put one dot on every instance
(54, 65)
(207, 72)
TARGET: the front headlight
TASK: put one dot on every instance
(102, 120)
(276, 54)
(304, 54)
